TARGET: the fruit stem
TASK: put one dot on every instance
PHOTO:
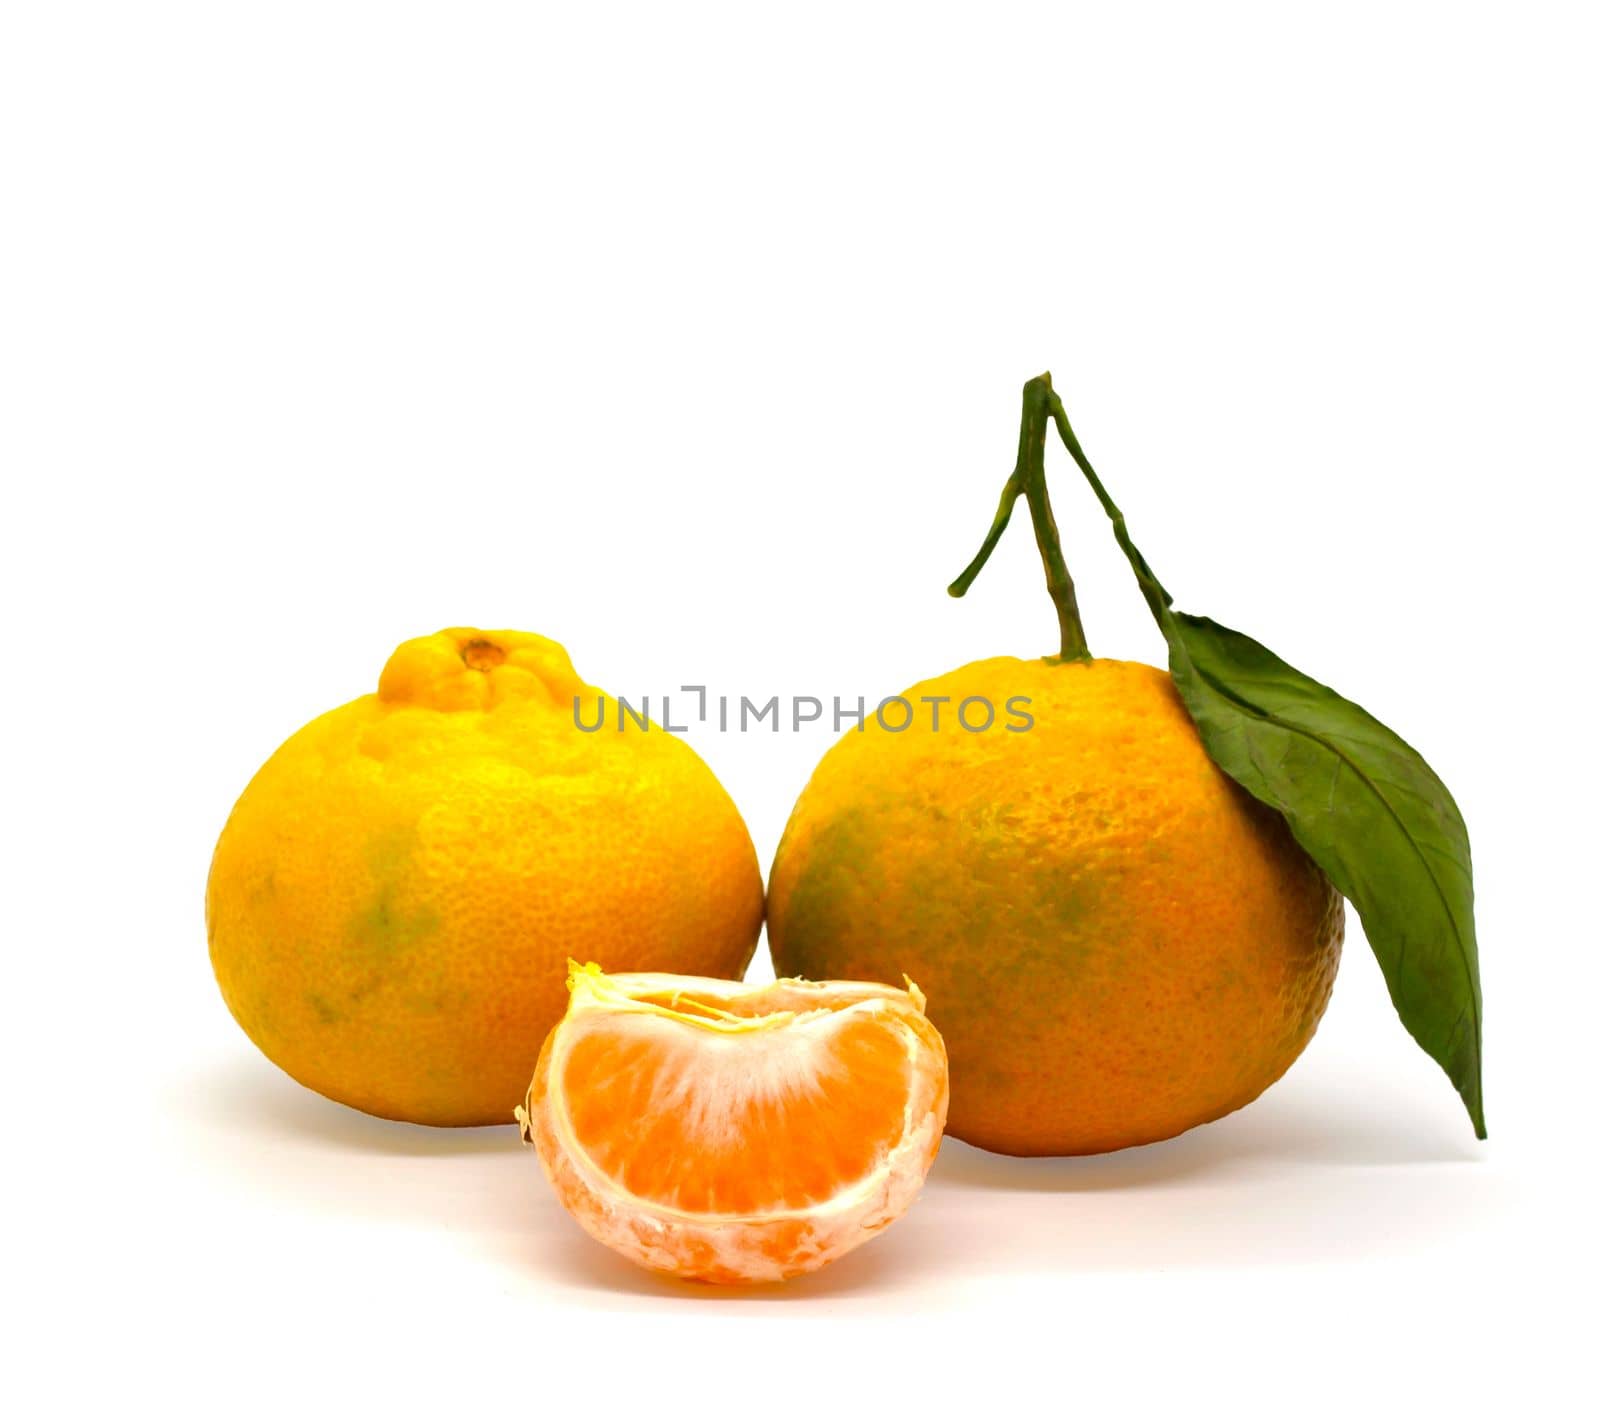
(1153, 590)
(1027, 480)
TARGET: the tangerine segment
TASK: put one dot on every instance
(736, 1133)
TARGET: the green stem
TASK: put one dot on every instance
(1027, 480)
(1147, 578)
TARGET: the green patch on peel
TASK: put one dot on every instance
(325, 1012)
(386, 929)
(961, 879)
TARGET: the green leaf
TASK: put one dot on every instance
(1361, 801)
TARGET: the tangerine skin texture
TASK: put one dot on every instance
(393, 900)
(1119, 943)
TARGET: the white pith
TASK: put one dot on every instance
(774, 1053)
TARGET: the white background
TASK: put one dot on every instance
(693, 337)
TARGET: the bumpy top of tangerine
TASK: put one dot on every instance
(468, 669)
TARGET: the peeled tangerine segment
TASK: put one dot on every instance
(736, 1133)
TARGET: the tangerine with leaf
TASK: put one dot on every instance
(1129, 915)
